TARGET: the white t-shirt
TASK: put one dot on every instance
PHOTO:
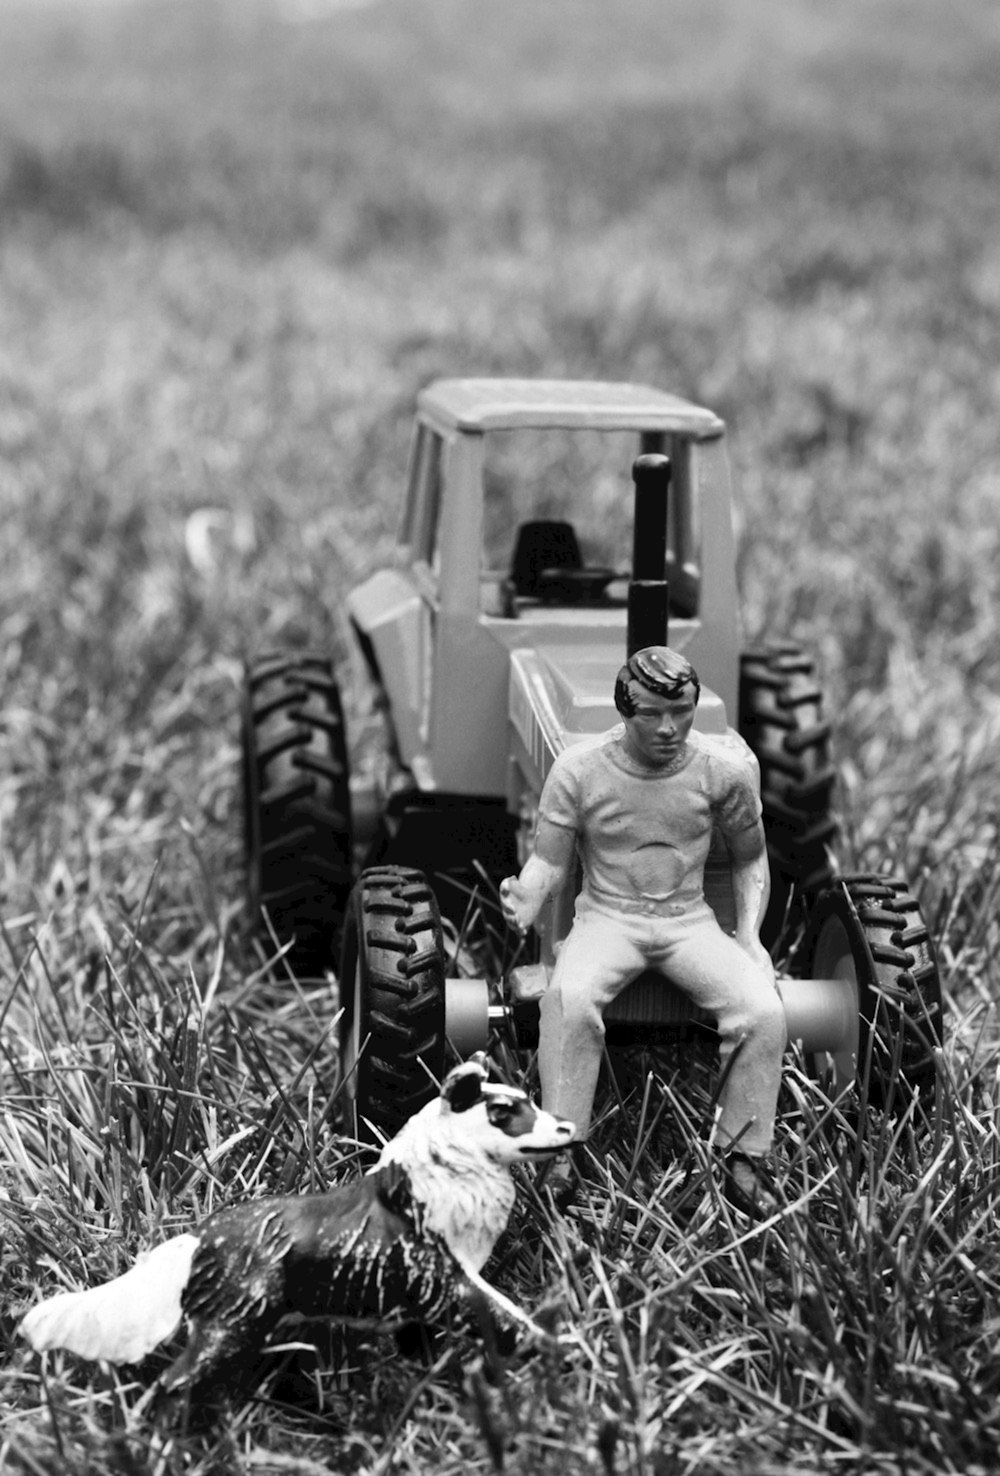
(645, 832)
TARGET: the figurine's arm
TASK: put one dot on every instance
(544, 873)
(751, 889)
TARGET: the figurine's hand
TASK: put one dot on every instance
(516, 904)
(755, 948)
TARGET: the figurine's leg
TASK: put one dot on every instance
(713, 970)
(598, 958)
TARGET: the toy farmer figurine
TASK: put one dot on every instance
(641, 803)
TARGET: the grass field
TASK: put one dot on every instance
(235, 239)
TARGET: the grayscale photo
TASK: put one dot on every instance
(499, 738)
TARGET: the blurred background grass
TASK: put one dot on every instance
(236, 238)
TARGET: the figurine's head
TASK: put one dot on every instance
(654, 669)
(656, 693)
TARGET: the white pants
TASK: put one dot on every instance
(605, 950)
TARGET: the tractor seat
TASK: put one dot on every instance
(547, 565)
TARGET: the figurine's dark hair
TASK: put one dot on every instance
(659, 670)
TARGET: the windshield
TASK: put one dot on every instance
(565, 498)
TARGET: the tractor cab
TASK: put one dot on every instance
(518, 534)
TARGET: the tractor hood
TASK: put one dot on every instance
(559, 696)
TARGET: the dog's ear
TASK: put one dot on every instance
(463, 1087)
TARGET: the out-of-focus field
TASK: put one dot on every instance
(234, 246)
(236, 239)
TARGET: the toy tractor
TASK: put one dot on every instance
(528, 566)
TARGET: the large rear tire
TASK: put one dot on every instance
(297, 806)
(781, 717)
(392, 997)
(868, 931)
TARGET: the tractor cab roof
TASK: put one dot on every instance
(479, 405)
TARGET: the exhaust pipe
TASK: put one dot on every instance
(648, 618)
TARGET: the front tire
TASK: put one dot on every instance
(297, 806)
(392, 997)
(781, 717)
(868, 931)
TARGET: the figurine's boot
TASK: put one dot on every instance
(748, 1184)
(559, 1179)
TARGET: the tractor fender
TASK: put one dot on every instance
(392, 622)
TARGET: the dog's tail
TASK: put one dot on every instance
(124, 1319)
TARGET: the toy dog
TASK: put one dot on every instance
(395, 1246)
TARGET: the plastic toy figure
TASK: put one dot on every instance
(641, 803)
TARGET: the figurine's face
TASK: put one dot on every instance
(658, 728)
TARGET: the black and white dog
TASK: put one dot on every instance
(395, 1246)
